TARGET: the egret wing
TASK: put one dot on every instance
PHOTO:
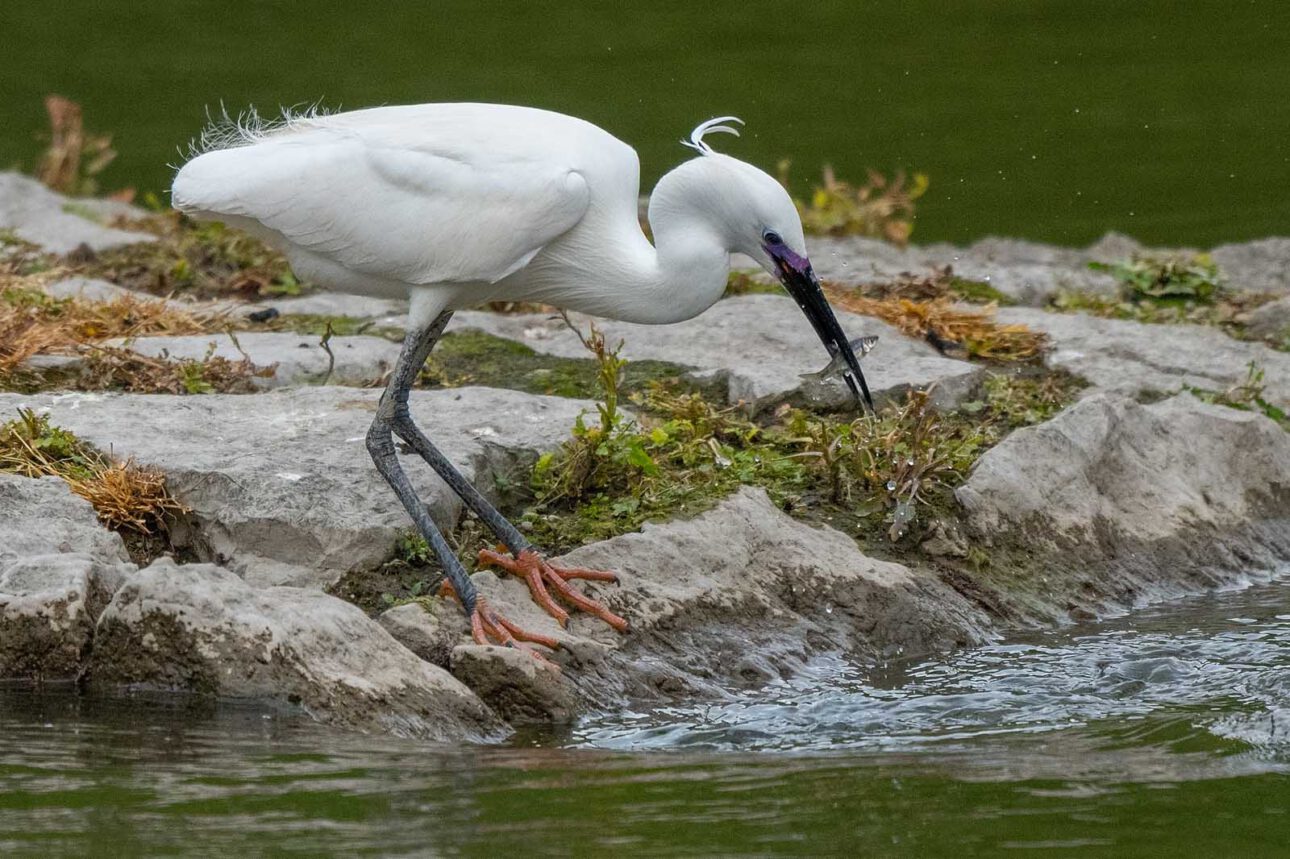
(416, 208)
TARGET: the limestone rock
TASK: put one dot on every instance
(280, 483)
(324, 303)
(430, 630)
(1272, 320)
(519, 687)
(1121, 502)
(200, 628)
(759, 344)
(59, 224)
(91, 289)
(58, 568)
(734, 597)
(299, 359)
(1262, 265)
(1133, 357)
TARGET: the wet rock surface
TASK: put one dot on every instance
(281, 485)
(199, 628)
(1116, 503)
(759, 344)
(61, 224)
(1133, 358)
(58, 568)
(734, 597)
(296, 359)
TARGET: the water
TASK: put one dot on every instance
(1034, 118)
(1165, 733)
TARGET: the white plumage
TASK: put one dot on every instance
(457, 204)
(462, 203)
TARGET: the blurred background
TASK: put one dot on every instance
(1055, 121)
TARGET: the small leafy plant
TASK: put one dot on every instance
(881, 208)
(1190, 279)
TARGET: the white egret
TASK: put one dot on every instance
(453, 205)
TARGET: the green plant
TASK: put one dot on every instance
(881, 208)
(1247, 395)
(1194, 279)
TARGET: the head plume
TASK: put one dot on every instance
(716, 124)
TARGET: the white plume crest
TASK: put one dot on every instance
(696, 141)
(228, 132)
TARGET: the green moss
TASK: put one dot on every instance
(976, 291)
(316, 324)
(476, 358)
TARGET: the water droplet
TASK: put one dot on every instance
(891, 486)
(909, 462)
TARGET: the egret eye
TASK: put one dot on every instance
(772, 238)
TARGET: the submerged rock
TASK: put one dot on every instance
(1133, 358)
(58, 568)
(297, 359)
(761, 345)
(1113, 503)
(281, 485)
(61, 224)
(734, 597)
(199, 628)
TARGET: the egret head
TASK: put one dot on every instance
(755, 216)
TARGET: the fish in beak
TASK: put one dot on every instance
(799, 279)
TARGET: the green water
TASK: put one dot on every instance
(1163, 734)
(1050, 120)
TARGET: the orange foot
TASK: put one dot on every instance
(538, 573)
(489, 627)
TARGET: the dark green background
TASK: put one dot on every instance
(1051, 120)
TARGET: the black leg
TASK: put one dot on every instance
(393, 417)
(380, 444)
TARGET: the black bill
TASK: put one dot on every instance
(800, 281)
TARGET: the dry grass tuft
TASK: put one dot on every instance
(74, 158)
(126, 496)
(33, 322)
(946, 326)
(881, 208)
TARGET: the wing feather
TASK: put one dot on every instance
(422, 205)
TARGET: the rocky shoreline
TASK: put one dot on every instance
(1138, 491)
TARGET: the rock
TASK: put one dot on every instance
(1258, 266)
(59, 224)
(58, 568)
(1114, 503)
(1134, 358)
(710, 613)
(200, 628)
(1027, 272)
(338, 304)
(516, 685)
(280, 483)
(299, 359)
(759, 344)
(1271, 321)
(92, 289)
(430, 629)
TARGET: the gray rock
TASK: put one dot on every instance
(337, 304)
(1132, 357)
(1117, 503)
(1262, 265)
(1271, 321)
(299, 359)
(1027, 272)
(58, 568)
(91, 289)
(280, 483)
(59, 224)
(430, 629)
(200, 628)
(519, 687)
(734, 597)
(759, 344)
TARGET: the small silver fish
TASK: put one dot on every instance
(861, 346)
